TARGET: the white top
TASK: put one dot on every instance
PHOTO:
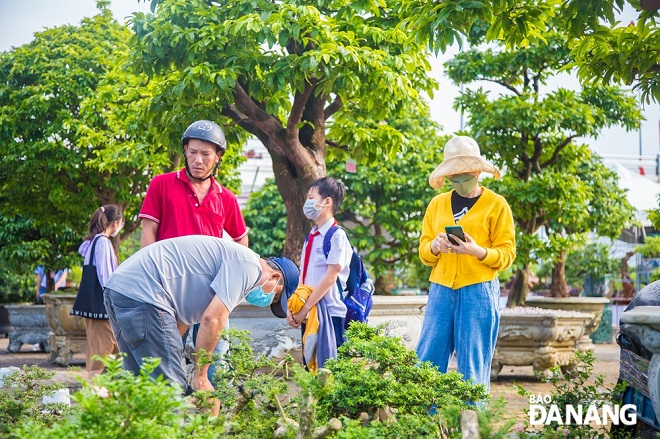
(340, 253)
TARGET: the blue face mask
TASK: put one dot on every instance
(258, 297)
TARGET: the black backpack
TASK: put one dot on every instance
(359, 286)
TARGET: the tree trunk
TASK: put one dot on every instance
(519, 288)
(382, 285)
(559, 287)
(628, 286)
(292, 185)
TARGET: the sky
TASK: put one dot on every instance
(20, 19)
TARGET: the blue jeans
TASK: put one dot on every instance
(142, 331)
(465, 320)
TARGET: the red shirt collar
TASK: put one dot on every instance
(182, 175)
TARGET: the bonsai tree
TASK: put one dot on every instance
(308, 79)
(87, 142)
(70, 139)
(590, 265)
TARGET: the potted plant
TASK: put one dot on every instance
(591, 266)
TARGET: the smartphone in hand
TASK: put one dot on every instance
(457, 231)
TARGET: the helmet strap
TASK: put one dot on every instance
(203, 179)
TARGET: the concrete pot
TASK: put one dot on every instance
(536, 337)
(30, 326)
(590, 305)
(67, 333)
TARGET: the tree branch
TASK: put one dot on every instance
(299, 102)
(558, 149)
(262, 120)
(240, 119)
(334, 106)
(337, 145)
(503, 84)
(538, 149)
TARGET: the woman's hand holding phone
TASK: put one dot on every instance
(463, 244)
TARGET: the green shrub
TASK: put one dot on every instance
(16, 287)
(374, 371)
(651, 248)
(21, 393)
(118, 404)
(573, 389)
(376, 388)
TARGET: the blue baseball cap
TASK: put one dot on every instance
(291, 277)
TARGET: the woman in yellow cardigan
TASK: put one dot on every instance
(462, 313)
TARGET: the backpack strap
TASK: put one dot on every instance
(328, 238)
(326, 249)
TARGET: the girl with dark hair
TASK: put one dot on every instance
(100, 261)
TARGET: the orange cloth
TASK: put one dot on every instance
(311, 336)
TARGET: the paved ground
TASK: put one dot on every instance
(27, 355)
(606, 364)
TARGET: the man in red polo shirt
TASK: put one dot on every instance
(190, 201)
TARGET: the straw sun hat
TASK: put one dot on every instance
(462, 155)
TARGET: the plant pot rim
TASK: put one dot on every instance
(24, 305)
(60, 294)
(593, 300)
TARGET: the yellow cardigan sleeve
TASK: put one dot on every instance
(428, 235)
(502, 251)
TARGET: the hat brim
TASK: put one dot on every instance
(460, 165)
(277, 308)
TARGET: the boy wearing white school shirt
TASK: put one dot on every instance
(323, 200)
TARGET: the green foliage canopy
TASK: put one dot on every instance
(305, 78)
(604, 50)
(70, 138)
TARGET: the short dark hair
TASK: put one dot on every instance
(330, 187)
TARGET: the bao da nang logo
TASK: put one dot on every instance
(542, 412)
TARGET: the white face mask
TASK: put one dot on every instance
(311, 211)
(116, 232)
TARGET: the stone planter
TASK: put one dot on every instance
(590, 305)
(275, 338)
(30, 326)
(67, 332)
(541, 338)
